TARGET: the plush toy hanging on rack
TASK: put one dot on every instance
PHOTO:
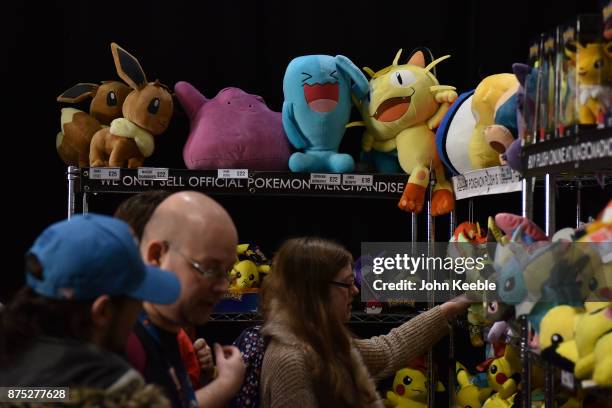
(233, 130)
(593, 62)
(78, 127)
(405, 103)
(316, 109)
(147, 111)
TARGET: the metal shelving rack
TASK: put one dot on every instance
(80, 181)
(573, 172)
(356, 318)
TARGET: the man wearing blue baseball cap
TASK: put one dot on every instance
(85, 283)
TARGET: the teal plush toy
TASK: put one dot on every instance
(316, 109)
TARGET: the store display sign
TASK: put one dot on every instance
(590, 151)
(233, 181)
(492, 180)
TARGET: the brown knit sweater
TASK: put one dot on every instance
(286, 380)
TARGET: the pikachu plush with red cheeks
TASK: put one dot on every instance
(503, 373)
(405, 103)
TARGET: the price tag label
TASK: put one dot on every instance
(233, 173)
(104, 173)
(567, 379)
(357, 179)
(492, 180)
(324, 178)
(152, 173)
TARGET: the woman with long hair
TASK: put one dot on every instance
(312, 360)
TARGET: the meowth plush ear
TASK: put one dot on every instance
(147, 111)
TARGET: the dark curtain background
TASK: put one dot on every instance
(50, 46)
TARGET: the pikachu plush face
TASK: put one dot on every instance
(400, 97)
(410, 383)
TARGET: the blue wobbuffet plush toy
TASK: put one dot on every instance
(317, 108)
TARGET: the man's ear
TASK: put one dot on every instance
(102, 311)
(153, 252)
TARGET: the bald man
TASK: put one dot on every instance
(192, 236)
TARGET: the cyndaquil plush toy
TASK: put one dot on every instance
(316, 109)
(461, 136)
(406, 102)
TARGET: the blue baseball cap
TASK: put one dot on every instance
(93, 255)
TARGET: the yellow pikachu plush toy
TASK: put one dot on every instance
(468, 393)
(249, 269)
(594, 344)
(409, 389)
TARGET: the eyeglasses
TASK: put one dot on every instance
(211, 273)
(343, 284)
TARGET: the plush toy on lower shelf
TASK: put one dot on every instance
(594, 328)
(556, 331)
(504, 372)
(247, 273)
(410, 387)
(468, 393)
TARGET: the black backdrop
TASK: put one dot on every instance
(50, 46)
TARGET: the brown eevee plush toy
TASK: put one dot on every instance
(147, 111)
(78, 127)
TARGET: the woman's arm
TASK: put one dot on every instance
(384, 355)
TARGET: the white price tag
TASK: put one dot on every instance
(152, 173)
(233, 173)
(324, 178)
(567, 379)
(105, 173)
(357, 179)
(492, 180)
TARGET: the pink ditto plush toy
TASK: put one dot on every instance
(233, 130)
